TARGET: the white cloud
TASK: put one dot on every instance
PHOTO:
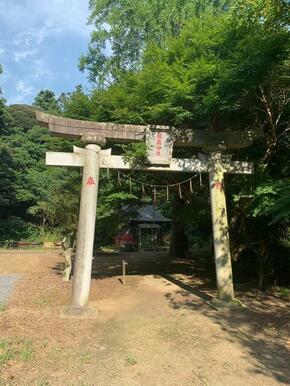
(35, 37)
(15, 100)
(31, 15)
(30, 28)
(39, 69)
(21, 91)
(19, 55)
(24, 88)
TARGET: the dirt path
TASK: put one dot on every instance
(153, 331)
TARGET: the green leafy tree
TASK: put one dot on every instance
(23, 117)
(125, 28)
(54, 198)
(77, 104)
(210, 77)
(5, 117)
(29, 191)
(46, 101)
(7, 172)
(7, 177)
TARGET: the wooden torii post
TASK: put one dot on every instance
(160, 141)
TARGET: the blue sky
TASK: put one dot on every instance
(40, 43)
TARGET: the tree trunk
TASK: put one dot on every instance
(179, 241)
(261, 274)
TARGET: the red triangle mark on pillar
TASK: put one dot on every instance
(90, 181)
(218, 185)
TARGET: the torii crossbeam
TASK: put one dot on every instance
(160, 141)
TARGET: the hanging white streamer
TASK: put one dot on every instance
(143, 191)
(190, 186)
(180, 191)
(155, 194)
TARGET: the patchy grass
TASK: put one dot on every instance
(6, 352)
(26, 353)
(42, 382)
(130, 360)
(86, 357)
(2, 383)
(284, 293)
(42, 302)
(108, 249)
(14, 348)
(2, 309)
(270, 330)
(81, 384)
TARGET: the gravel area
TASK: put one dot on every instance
(7, 283)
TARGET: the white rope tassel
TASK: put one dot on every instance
(190, 186)
(155, 194)
(200, 179)
(143, 191)
(119, 179)
(130, 184)
(108, 173)
(167, 192)
(180, 191)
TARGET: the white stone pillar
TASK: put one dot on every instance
(86, 227)
(223, 263)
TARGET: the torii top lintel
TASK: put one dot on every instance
(122, 133)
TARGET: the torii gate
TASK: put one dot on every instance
(160, 141)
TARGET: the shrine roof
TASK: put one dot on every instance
(144, 213)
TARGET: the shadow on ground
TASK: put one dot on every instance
(263, 328)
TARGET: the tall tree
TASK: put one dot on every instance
(47, 101)
(77, 104)
(5, 117)
(208, 77)
(124, 28)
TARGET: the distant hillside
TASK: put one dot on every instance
(23, 116)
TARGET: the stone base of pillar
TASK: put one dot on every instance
(220, 305)
(86, 312)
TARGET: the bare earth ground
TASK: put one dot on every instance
(156, 330)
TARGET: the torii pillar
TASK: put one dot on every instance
(86, 223)
(86, 227)
(223, 264)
